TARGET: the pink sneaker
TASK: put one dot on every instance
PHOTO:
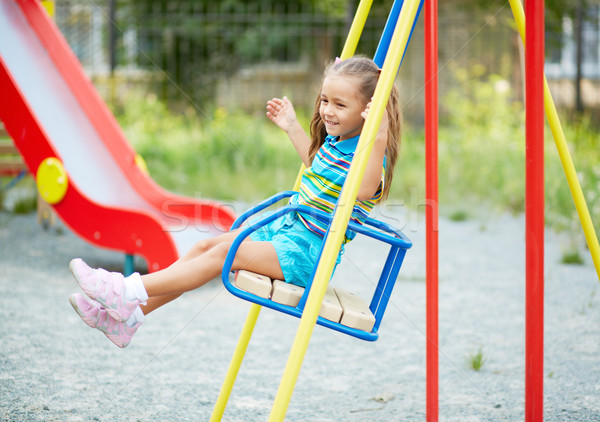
(92, 313)
(105, 287)
(89, 311)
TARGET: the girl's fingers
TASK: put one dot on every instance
(275, 104)
(273, 110)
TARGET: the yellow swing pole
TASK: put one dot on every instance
(236, 361)
(564, 154)
(344, 210)
(358, 23)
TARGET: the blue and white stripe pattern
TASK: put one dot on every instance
(322, 183)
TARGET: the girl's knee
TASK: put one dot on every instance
(199, 248)
(219, 253)
(220, 250)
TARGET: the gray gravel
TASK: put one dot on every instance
(54, 368)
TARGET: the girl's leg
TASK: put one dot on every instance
(156, 302)
(203, 263)
(198, 249)
(189, 274)
(205, 245)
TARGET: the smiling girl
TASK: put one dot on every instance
(287, 248)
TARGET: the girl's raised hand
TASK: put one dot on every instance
(282, 113)
(383, 126)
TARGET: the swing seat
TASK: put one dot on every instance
(340, 310)
(338, 304)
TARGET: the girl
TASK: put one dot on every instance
(288, 247)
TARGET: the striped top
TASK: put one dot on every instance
(322, 183)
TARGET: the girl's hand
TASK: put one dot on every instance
(372, 178)
(282, 113)
(365, 112)
(383, 126)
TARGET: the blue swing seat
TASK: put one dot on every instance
(375, 229)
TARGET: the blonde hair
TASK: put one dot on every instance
(367, 73)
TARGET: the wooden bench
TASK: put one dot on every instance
(338, 304)
(11, 163)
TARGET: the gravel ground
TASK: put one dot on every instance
(54, 368)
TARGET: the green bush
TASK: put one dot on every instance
(216, 155)
(235, 156)
(482, 155)
(482, 148)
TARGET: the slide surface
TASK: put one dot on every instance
(50, 109)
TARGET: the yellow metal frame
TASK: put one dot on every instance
(358, 23)
(236, 362)
(343, 211)
(564, 154)
(350, 192)
(50, 7)
(349, 47)
(340, 219)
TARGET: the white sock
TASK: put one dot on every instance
(134, 288)
(137, 317)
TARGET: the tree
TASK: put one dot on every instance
(555, 12)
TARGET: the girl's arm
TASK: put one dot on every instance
(372, 176)
(282, 113)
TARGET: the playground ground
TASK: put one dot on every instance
(54, 368)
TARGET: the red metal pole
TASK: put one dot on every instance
(534, 211)
(431, 206)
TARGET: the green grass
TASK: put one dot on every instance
(24, 197)
(231, 155)
(25, 204)
(482, 157)
(459, 215)
(571, 258)
(476, 360)
(218, 155)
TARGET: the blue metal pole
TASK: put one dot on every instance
(388, 32)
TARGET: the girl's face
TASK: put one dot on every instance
(341, 107)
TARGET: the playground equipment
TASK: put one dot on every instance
(42, 85)
(83, 164)
(10, 163)
(563, 152)
(538, 100)
(536, 91)
(312, 298)
(373, 228)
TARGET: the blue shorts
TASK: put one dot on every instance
(297, 247)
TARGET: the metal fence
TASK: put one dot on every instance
(185, 48)
(239, 53)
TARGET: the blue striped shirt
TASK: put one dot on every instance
(322, 183)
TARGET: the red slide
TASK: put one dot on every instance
(51, 110)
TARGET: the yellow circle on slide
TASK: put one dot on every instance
(52, 180)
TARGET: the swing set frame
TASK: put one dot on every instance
(395, 38)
